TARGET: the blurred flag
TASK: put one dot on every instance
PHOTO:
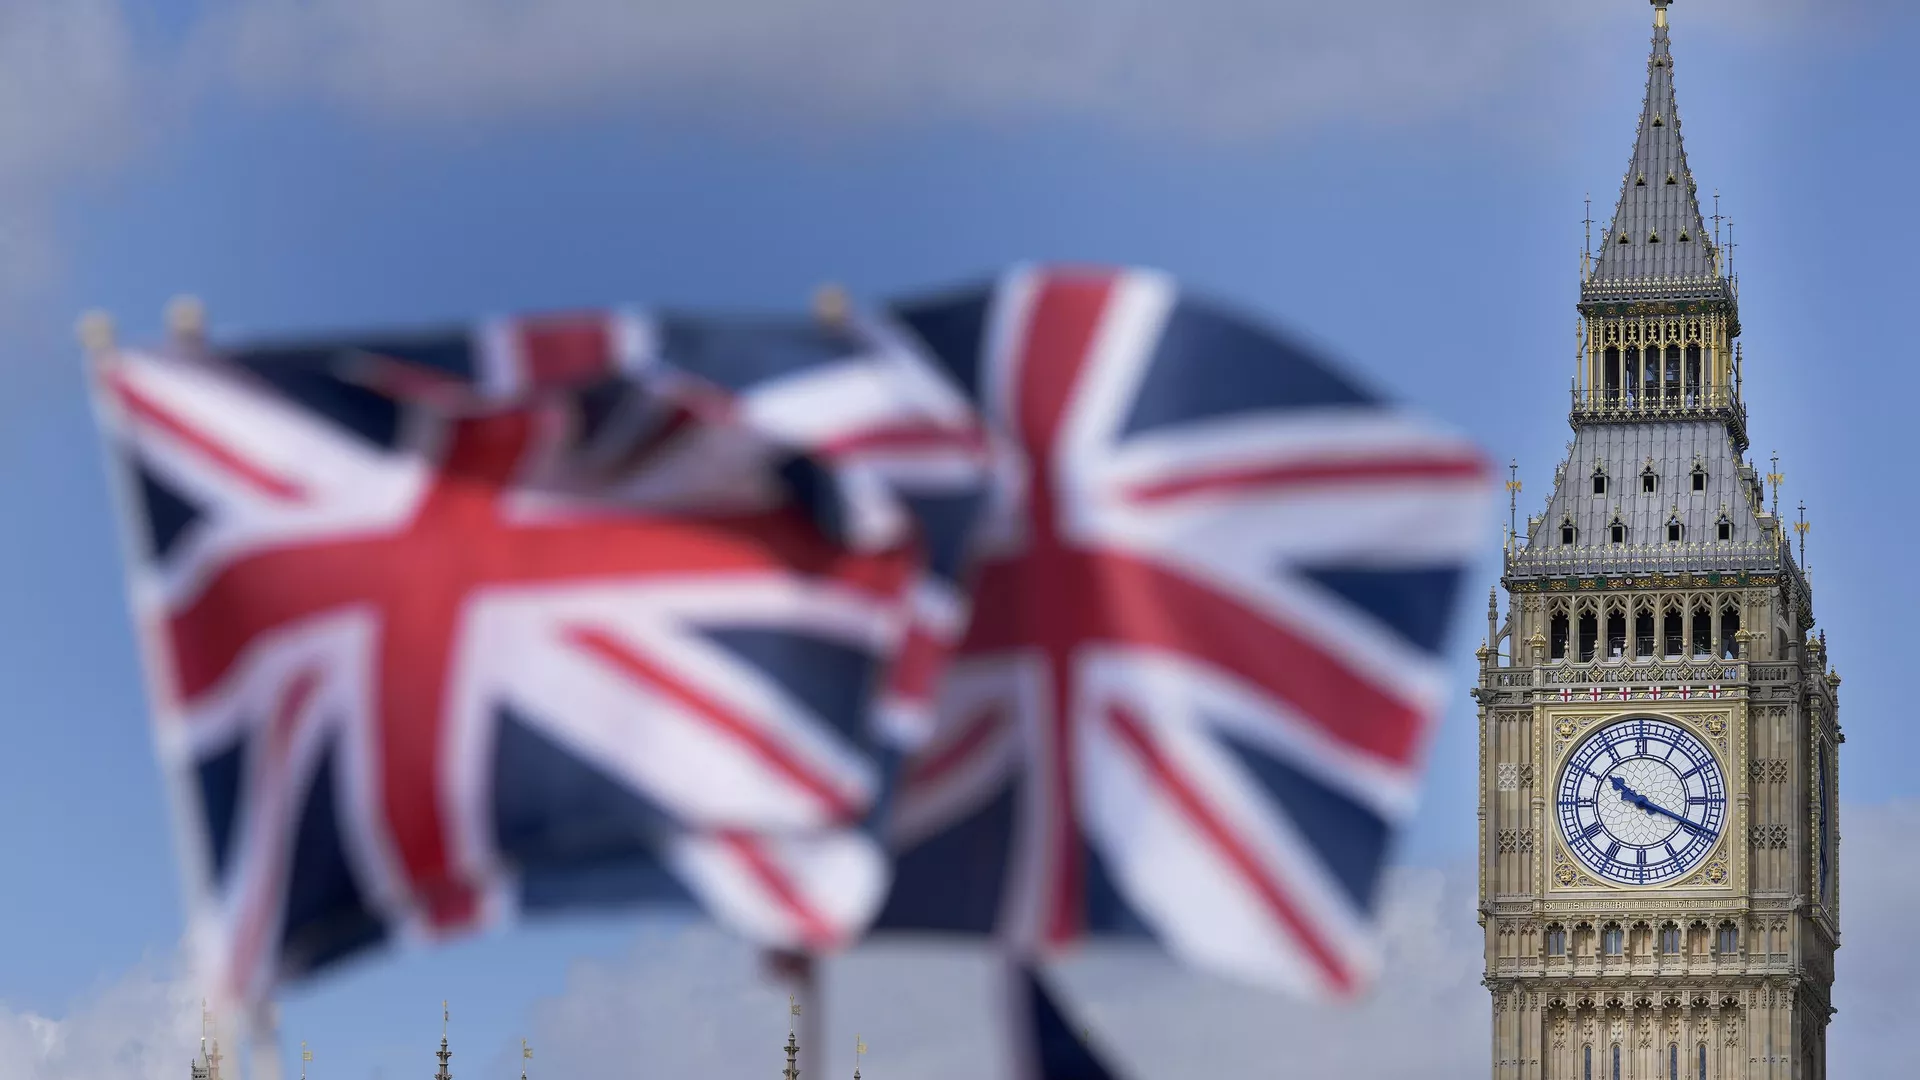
(558, 612)
(629, 608)
(1207, 641)
(1043, 1044)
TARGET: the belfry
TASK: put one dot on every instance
(1659, 730)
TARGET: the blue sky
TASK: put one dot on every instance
(1403, 186)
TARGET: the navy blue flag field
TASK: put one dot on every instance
(631, 607)
(1207, 643)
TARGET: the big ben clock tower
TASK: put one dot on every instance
(1658, 723)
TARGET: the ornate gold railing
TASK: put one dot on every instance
(1635, 559)
(1644, 405)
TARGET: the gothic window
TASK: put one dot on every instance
(1670, 939)
(1673, 1061)
(1725, 528)
(1702, 631)
(1693, 369)
(1729, 939)
(1612, 941)
(1616, 634)
(1703, 1061)
(1643, 633)
(1616, 531)
(1673, 375)
(1556, 941)
(1587, 1070)
(1612, 368)
(1729, 631)
(1675, 530)
(1649, 481)
(1589, 631)
(1557, 636)
(1674, 632)
(1567, 532)
(1599, 481)
(1699, 478)
(1616, 1061)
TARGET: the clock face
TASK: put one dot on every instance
(1820, 803)
(1641, 801)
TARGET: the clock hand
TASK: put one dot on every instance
(1652, 807)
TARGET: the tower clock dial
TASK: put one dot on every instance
(1641, 801)
(1826, 829)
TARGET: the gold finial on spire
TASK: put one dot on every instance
(306, 1055)
(1660, 13)
(1801, 527)
(793, 1044)
(859, 1051)
(1513, 502)
(526, 1055)
(1774, 480)
(446, 1015)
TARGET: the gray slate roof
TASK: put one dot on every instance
(1625, 451)
(1658, 197)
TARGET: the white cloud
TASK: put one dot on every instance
(67, 107)
(143, 1026)
(78, 86)
(688, 1001)
(693, 1003)
(1206, 67)
(1876, 989)
(1226, 68)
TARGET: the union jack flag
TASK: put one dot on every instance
(1206, 644)
(555, 612)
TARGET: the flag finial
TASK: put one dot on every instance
(95, 331)
(186, 317)
(830, 304)
(306, 1055)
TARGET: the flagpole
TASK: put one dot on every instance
(185, 318)
(263, 1044)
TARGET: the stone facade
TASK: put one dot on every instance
(1658, 586)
